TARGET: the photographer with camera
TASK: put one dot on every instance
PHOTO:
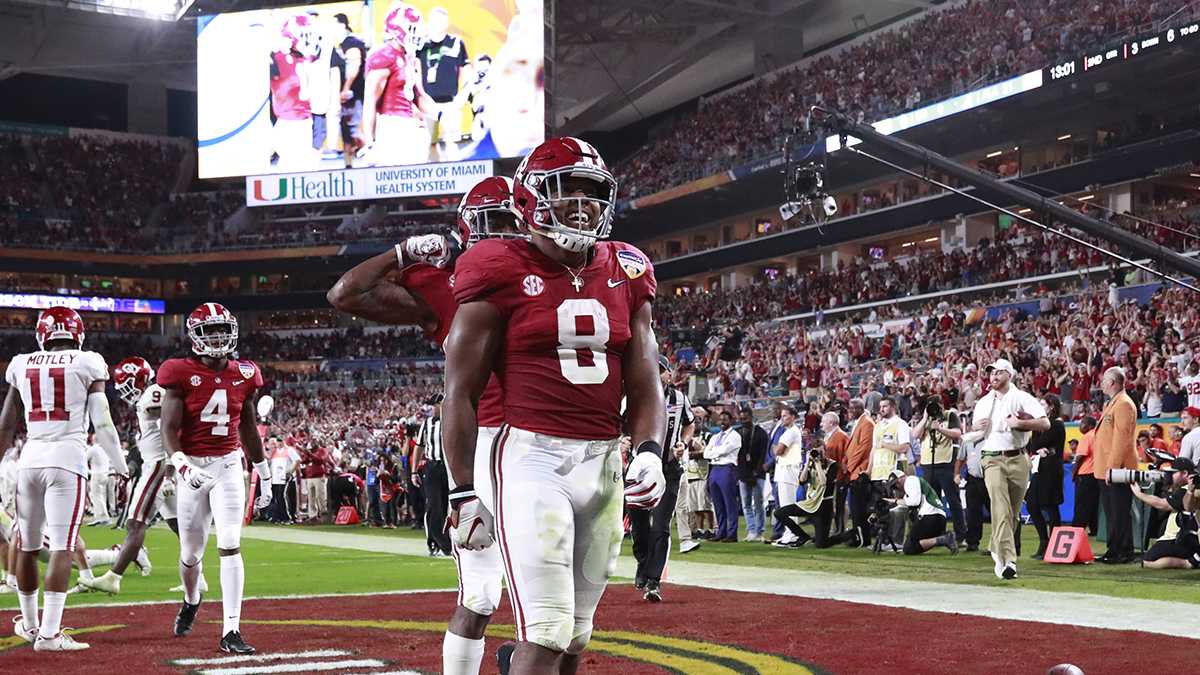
(1178, 548)
(940, 432)
(819, 476)
(914, 495)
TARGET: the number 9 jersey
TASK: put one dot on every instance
(212, 402)
(566, 334)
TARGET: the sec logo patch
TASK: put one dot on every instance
(195, 380)
(533, 285)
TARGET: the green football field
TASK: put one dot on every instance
(280, 569)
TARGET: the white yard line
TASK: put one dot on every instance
(302, 667)
(257, 658)
(1010, 603)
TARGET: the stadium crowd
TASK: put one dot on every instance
(942, 53)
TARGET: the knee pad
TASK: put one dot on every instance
(229, 536)
(580, 641)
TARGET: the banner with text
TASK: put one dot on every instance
(422, 180)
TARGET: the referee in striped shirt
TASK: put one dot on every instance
(651, 529)
(435, 482)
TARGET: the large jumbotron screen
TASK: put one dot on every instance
(379, 83)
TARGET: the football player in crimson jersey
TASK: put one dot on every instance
(564, 319)
(207, 408)
(55, 391)
(412, 286)
(134, 382)
(393, 94)
(292, 136)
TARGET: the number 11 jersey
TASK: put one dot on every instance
(54, 390)
(212, 402)
(565, 335)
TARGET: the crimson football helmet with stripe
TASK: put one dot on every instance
(539, 186)
(131, 377)
(213, 330)
(487, 211)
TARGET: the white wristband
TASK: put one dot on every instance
(399, 254)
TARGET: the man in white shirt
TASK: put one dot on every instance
(1190, 446)
(721, 453)
(1190, 383)
(788, 452)
(1004, 420)
(98, 480)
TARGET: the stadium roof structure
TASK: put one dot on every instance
(621, 60)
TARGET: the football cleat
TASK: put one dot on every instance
(78, 588)
(109, 582)
(233, 643)
(59, 643)
(143, 563)
(185, 619)
(19, 630)
(653, 592)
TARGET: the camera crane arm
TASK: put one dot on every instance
(845, 128)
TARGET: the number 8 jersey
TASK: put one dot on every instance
(560, 366)
(212, 402)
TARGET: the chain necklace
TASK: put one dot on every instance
(576, 277)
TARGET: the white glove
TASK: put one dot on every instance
(197, 479)
(263, 500)
(432, 249)
(469, 523)
(644, 479)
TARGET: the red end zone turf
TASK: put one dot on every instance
(696, 631)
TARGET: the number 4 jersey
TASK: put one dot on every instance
(212, 402)
(560, 367)
(54, 390)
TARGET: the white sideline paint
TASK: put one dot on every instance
(1007, 603)
(305, 596)
(253, 658)
(303, 667)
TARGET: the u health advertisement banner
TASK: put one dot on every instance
(355, 184)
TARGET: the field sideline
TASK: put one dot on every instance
(317, 595)
(276, 568)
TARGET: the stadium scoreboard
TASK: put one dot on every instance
(1126, 51)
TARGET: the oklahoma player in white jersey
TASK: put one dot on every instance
(423, 296)
(58, 390)
(134, 381)
(207, 408)
(564, 320)
(390, 123)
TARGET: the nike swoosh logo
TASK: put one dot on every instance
(613, 283)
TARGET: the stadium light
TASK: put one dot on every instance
(995, 153)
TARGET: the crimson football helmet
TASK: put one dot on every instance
(300, 32)
(131, 377)
(59, 323)
(403, 24)
(487, 210)
(213, 330)
(539, 186)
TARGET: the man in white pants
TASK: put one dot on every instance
(789, 460)
(98, 482)
(58, 391)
